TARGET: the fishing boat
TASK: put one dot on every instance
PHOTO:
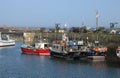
(66, 48)
(39, 49)
(36, 48)
(97, 53)
(6, 41)
(118, 52)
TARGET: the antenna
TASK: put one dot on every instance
(56, 29)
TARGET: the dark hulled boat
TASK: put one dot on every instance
(68, 49)
(61, 50)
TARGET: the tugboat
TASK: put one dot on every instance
(67, 49)
(6, 41)
(62, 49)
(35, 48)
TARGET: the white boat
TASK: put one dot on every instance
(6, 41)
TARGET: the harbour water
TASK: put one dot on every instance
(14, 64)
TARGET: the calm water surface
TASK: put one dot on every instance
(14, 64)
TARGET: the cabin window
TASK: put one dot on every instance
(4, 37)
(46, 45)
(53, 46)
(118, 51)
(57, 47)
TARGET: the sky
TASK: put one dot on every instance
(46, 13)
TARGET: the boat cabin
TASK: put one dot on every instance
(70, 46)
(58, 48)
(41, 45)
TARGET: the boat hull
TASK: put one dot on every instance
(35, 51)
(7, 43)
(69, 55)
(97, 56)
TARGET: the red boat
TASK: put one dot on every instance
(39, 49)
